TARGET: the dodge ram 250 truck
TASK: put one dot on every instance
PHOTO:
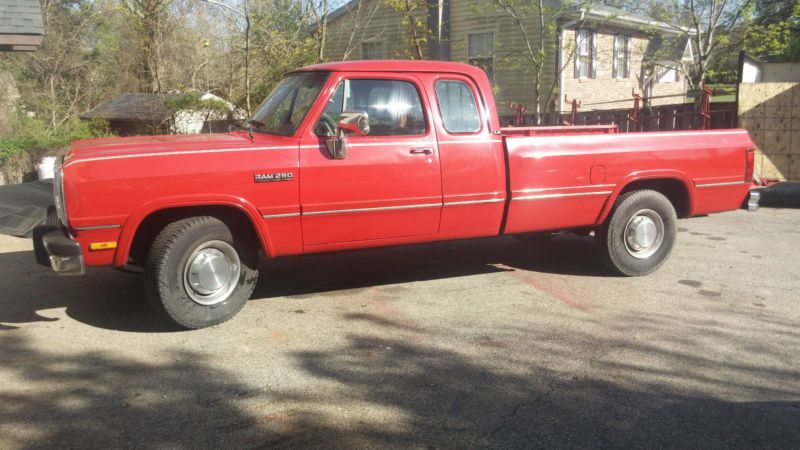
(366, 154)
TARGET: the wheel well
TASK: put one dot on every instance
(675, 191)
(149, 228)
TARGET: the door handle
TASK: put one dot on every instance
(421, 151)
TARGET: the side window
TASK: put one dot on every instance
(394, 107)
(457, 104)
(326, 126)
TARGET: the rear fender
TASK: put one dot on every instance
(653, 175)
(133, 222)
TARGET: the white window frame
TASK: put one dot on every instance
(623, 52)
(662, 71)
(581, 35)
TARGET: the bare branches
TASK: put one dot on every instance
(703, 23)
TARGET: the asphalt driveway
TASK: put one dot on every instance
(488, 343)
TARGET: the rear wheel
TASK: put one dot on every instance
(199, 272)
(639, 234)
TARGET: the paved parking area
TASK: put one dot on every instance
(488, 343)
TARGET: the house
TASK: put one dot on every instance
(21, 28)
(597, 55)
(175, 113)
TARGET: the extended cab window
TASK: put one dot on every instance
(457, 104)
(394, 107)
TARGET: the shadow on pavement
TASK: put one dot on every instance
(102, 298)
(316, 274)
(401, 391)
(114, 300)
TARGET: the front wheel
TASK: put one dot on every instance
(638, 236)
(199, 273)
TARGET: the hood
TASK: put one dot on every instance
(116, 147)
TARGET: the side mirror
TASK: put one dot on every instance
(337, 146)
(354, 123)
(351, 123)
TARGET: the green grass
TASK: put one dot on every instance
(723, 98)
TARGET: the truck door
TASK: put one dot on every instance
(388, 188)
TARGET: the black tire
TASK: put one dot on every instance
(618, 252)
(166, 275)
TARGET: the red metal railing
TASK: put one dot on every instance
(641, 117)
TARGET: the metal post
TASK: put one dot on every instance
(520, 111)
(574, 112)
(633, 116)
(705, 109)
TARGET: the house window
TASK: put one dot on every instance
(585, 53)
(372, 50)
(667, 74)
(622, 56)
(481, 52)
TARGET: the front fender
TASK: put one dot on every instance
(133, 221)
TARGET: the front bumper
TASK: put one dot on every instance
(54, 248)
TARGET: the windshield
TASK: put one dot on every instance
(288, 104)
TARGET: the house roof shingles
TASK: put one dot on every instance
(21, 17)
(666, 50)
(21, 27)
(131, 107)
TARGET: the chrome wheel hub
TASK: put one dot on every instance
(644, 234)
(212, 273)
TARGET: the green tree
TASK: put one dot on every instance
(537, 22)
(413, 22)
(772, 33)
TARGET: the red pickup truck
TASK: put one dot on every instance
(373, 153)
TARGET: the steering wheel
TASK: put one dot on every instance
(327, 125)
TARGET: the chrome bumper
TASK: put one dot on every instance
(752, 200)
(54, 248)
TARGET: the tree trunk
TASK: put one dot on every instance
(247, 57)
(323, 31)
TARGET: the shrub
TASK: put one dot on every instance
(33, 136)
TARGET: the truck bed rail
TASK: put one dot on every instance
(559, 131)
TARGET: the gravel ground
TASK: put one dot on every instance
(488, 343)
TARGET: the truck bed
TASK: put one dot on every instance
(567, 177)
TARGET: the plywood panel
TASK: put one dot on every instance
(776, 142)
(776, 167)
(771, 113)
(794, 168)
(794, 147)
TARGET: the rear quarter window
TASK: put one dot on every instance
(458, 107)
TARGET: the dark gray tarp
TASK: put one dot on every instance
(781, 195)
(24, 206)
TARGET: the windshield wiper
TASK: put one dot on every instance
(249, 124)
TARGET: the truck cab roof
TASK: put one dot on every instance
(397, 66)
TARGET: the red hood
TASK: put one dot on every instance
(132, 146)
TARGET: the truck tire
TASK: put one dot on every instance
(199, 272)
(638, 236)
